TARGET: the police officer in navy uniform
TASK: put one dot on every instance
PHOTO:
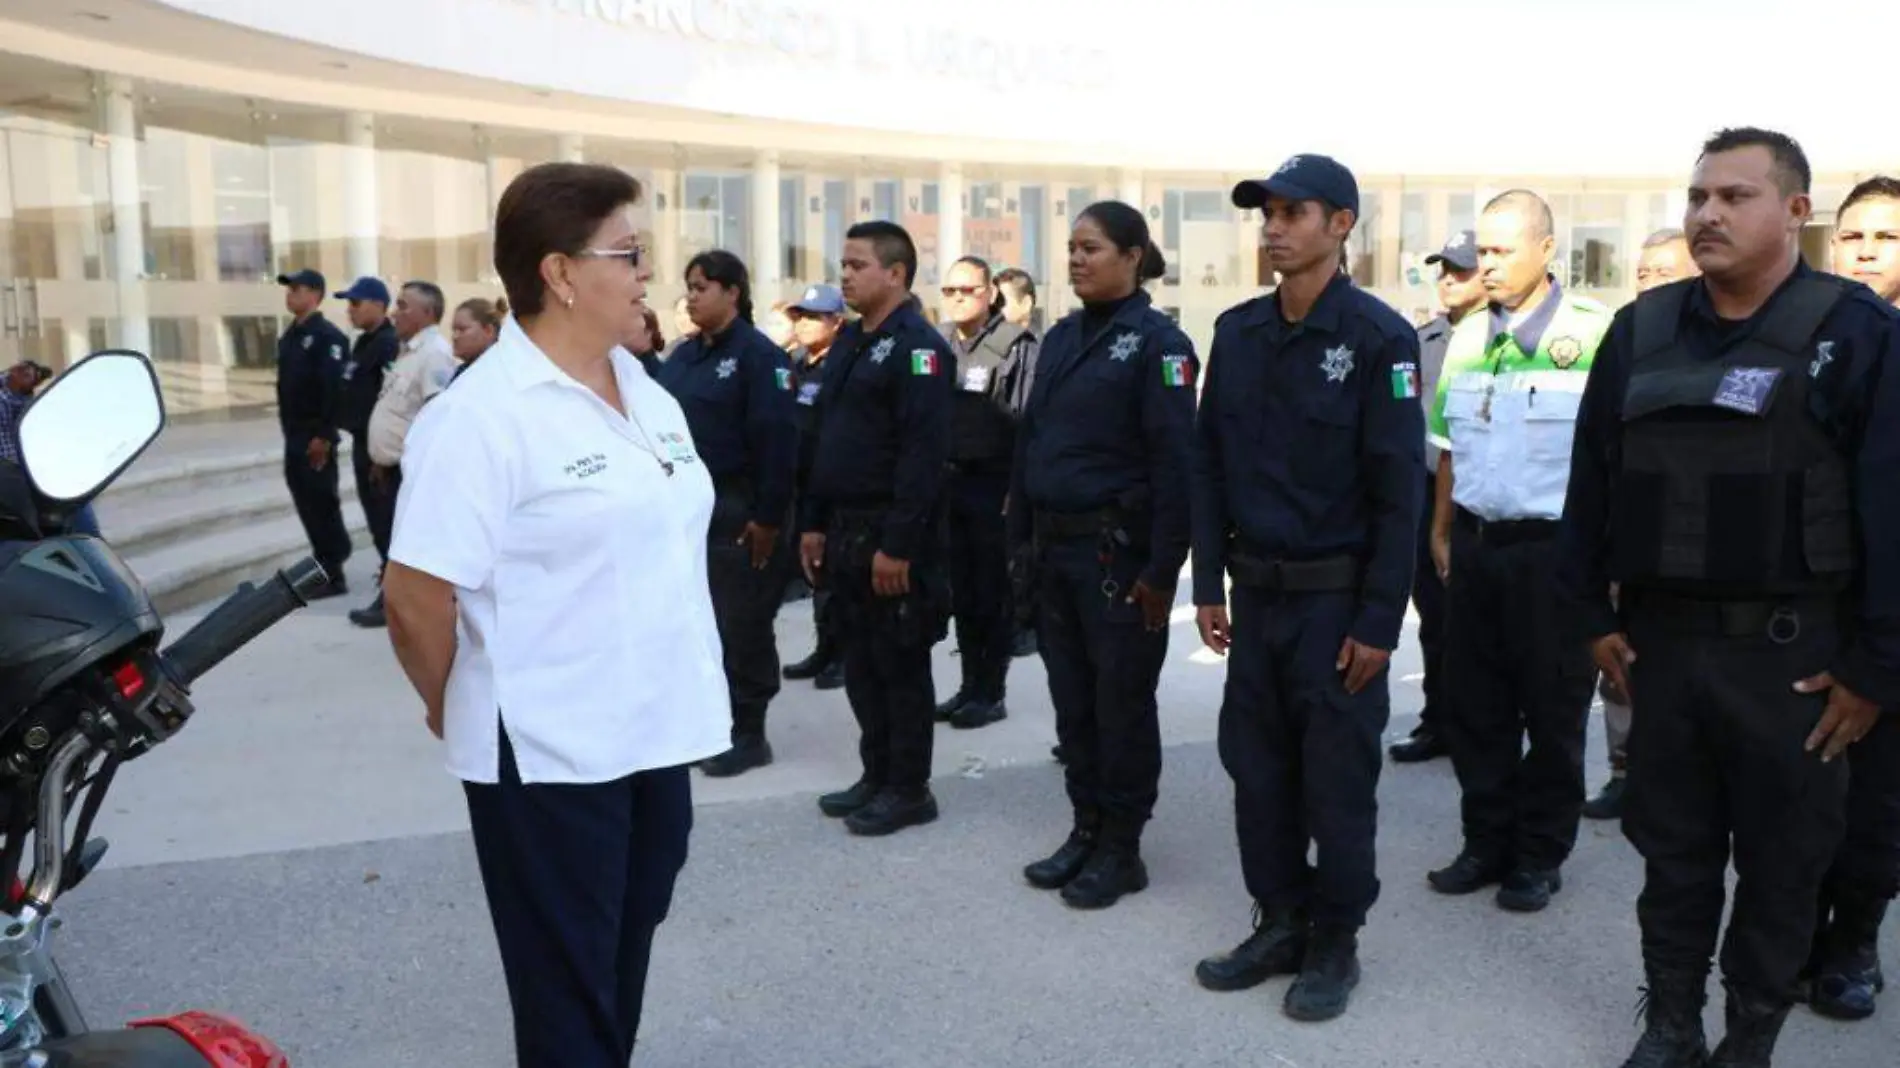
(817, 316)
(1098, 514)
(1307, 492)
(371, 357)
(309, 368)
(872, 522)
(735, 387)
(995, 363)
(1460, 292)
(1735, 472)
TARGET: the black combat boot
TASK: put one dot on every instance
(814, 665)
(1608, 803)
(1327, 975)
(832, 677)
(1754, 1024)
(1276, 947)
(984, 705)
(1060, 868)
(892, 811)
(748, 751)
(1114, 869)
(1672, 1035)
(1847, 976)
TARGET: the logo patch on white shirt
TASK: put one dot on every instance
(1337, 364)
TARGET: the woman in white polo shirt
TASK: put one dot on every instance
(547, 597)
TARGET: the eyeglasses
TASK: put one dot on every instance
(961, 291)
(634, 256)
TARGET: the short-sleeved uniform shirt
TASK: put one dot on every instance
(1507, 405)
(583, 617)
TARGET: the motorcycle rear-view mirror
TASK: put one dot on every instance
(89, 425)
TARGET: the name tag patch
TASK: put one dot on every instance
(976, 379)
(677, 448)
(808, 393)
(586, 466)
(1747, 389)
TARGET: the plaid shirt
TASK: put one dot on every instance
(11, 407)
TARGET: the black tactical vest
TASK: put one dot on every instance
(1729, 487)
(982, 424)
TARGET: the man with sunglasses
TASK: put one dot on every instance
(995, 361)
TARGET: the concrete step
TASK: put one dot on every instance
(197, 571)
(192, 505)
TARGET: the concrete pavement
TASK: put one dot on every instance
(298, 858)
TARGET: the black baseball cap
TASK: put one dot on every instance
(306, 278)
(1461, 252)
(1303, 177)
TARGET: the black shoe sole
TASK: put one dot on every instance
(1462, 889)
(714, 770)
(1050, 884)
(916, 818)
(838, 810)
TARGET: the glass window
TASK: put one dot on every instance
(1594, 250)
(241, 177)
(717, 214)
(791, 227)
(171, 339)
(931, 203)
(884, 197)
(837, 211)
(1204, 205)
(986, 201)
(1462, 213)
(1079, 197)
(1414, 229)
(164, 172)
(1034, 221)
(1363, 247)
(253, 339)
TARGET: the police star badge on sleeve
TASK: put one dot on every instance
(1565, 352)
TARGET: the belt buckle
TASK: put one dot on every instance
(1784, 625)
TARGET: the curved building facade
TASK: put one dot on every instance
(162, 161)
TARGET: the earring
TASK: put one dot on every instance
(570, 303)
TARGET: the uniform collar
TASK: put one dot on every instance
(1529, 332)
(423, 337)
(905, 317)
(1324, 315)
(527, 366)
(1703, 308)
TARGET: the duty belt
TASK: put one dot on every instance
(1781, 620)
(1327, 574)
(1506, 531)
(1071, 526)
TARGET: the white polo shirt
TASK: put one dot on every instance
(583, 616)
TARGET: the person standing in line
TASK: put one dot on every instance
(1098, 530)
(817, 316)
(1504, 417)
(995, 360)
(371, 357)
(1736, 476)
(551, 547)
(310, 367)
(1844, 975)
(872, 524)
(1664, 258)
(1461, 291)
(424, 369)
(474, 329)
(1307, 450)
(735, 386)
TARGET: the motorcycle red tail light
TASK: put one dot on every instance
(224, 1042)
(130, 680)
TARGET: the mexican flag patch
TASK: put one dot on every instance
(923, 362)
(1404, 381)
(783, 377)
(1176, 371)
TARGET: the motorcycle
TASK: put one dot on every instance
(85, 687)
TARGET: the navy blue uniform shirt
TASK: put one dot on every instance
(1855, 394)
(1308, 445)
(808, 382)
(736, 391)
(884, 428)
(310, 359)
(1108, 421)
(371, 357)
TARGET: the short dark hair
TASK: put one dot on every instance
(1792, 173)
(552, 208)
(1126, 230)
(431, 293)
(1879, 187)
(1534, 208)
(983, 265)
(890, 243)
(1017, 279)
(718, 265)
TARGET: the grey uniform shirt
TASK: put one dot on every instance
(1433, 339)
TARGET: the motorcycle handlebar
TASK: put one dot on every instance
(244, 615)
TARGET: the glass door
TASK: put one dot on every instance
(57, 298)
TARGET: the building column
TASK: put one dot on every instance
(128, 224)
(1128, 190)
(950, 198)
(768, 265)
(568, 148)
(361, 217)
